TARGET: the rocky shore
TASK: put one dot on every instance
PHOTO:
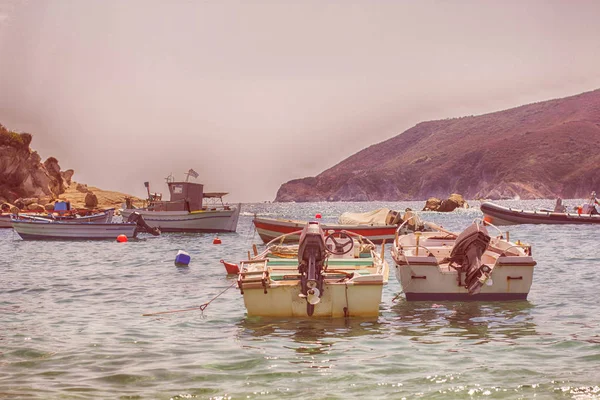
(32, 185)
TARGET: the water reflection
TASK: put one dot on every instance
(466, 320)
(311, 336)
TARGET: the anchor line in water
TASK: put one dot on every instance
(248, 238)
(397, 296)
(201, 307)
(347, 308)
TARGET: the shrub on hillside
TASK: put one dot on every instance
(14, 139)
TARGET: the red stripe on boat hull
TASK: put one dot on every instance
(270, 230)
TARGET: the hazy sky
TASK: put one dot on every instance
(253, 94)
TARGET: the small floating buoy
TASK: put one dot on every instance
(121, 238)
(318, 216)
(217, 240)
(182, 259)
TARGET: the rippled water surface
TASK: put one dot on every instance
(71, 324)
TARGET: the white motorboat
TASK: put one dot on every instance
(472, 265)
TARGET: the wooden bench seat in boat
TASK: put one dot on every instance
(364, 262)
(282, 276)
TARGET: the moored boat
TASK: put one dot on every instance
(500, 215)
(472, 265)
(376, 229)
(45, 229)
(5, 220)
(103, 216)
(338, 275)
(188, 210)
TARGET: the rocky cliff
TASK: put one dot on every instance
(22, 173)
(540, 150)
(25, 179)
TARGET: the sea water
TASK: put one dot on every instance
(71, 324)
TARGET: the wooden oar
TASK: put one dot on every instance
(439, 228)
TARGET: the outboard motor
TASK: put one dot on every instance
(142, 225)
(312, 252)
(467, 252)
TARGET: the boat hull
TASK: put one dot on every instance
(431, 283)
(499, 215)
(5, 221)
(447, 266)
(102, 217)
(51, 230)
(220, 220)
(337, 301)
(270, 228)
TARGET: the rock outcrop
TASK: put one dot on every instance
(543, 150)
(22, 173)
(91, 200)
(450, 204)
(28, 184)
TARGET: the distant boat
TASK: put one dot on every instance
(45, 229)
(377, 225)
(500, 215)
(104, 216)
(188, 210)
(472, 265)
(334, 276)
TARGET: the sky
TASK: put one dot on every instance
(253, 94)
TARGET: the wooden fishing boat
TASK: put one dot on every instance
(472, 265)
(376, 230)
(499, 215)
(338, 275)
(188, 210)
(104, 216)
(46, 229)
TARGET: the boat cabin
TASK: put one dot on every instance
(187, 196)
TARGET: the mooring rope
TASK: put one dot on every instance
(201, 307)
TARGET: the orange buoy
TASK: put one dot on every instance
(217, 240)
(121, 238)
(318, 216)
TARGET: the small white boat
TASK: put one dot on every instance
(45, 229)
(188, 210)
(339, 275)
(5, 220)
(104, 216)
(442, 265)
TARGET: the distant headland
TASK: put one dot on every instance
(542, 150)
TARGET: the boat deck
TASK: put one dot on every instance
(287, 269)
(284, 270)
